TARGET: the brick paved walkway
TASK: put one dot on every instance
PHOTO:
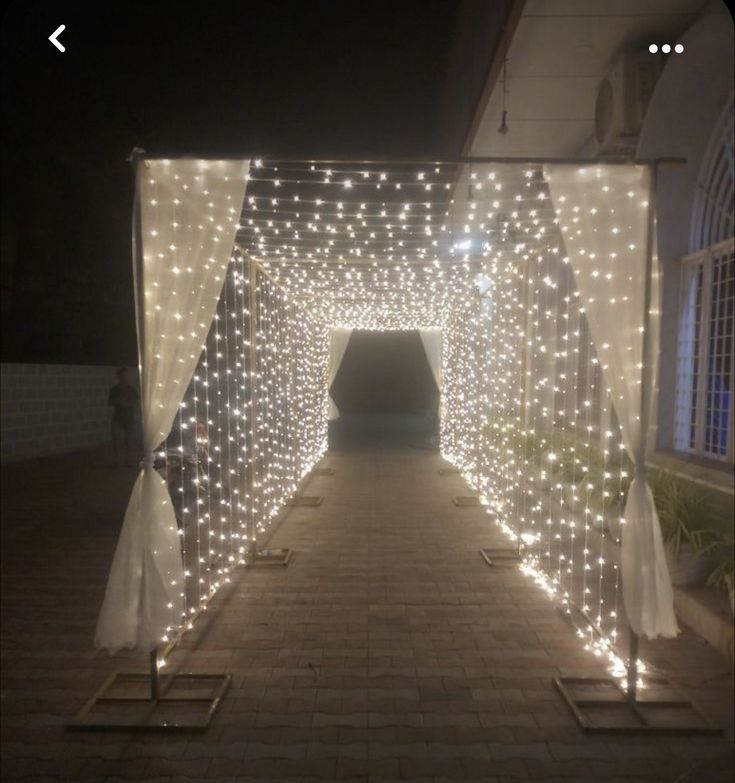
(387, 650)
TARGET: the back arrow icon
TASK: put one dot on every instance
(56, 33)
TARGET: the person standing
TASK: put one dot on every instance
(123, 398)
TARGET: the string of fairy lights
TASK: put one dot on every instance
(365, 247)
(474, 250)
(527, 421)
(250, 427)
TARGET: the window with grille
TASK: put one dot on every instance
(713, 215)
(704, 388)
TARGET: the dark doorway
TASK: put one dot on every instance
(385, 392)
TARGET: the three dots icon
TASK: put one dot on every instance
(666, 48)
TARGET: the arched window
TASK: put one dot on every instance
(705, 359)
(705, 372)
(712, 215)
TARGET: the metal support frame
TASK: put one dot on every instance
(269, 556)
(112, 707)
(479, 361)
(150, 712)
(407, 160)
(306, 500)
(499, 556)
(602, 706)
(272, 556)
(611, 708)
(135, 701)
(252, 552)
(466, 501)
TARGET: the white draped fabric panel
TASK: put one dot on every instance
(603, 214)
(432, 342)
(189, 210)
(338, 340)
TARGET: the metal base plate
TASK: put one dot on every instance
(500, 557)
(448, 471)
(465, 501)
(601, 706)
(186, 702)
(278, 557)
(306, 500)
(323, 471)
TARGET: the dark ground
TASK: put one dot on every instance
(386, 651)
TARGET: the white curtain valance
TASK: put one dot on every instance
(338, 340)
(188, 213)
(603, 213)
(432, 342)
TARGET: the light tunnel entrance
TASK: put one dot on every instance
(385, 392)
(546, 370)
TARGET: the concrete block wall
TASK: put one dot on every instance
(53, 408)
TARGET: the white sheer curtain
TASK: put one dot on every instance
(603, 213)
(432, 342)
(188, 213)
(338, 340)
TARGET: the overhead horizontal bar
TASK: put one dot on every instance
(614, 161)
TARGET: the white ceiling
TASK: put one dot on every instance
(560, 52)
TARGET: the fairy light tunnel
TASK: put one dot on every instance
(510, 260)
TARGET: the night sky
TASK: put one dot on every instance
(312, 78)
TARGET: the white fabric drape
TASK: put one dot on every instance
(188, 213)
(603, 213)
(432, 342)
(338, 340)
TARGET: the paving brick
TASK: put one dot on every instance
(338, 750)
(425, 664)
(530, 750)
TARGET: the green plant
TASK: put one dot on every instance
(722, 575)
(684, 511)
(609, 488)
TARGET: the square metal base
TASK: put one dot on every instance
(465, 501)
(186, 702)
(601, 706)
(273, 557)
(448, 471)
(323, 471)
(306, 500)
(500, 557)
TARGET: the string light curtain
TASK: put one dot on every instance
(206, 460)
(188, 216)
(361, 245)
(290, 398)
(527, 413)
(523, 421)
(338, 340)
(251, 426)
(604, 214)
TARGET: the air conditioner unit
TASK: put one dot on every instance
(622, 100)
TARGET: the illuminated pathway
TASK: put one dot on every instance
(387, 650)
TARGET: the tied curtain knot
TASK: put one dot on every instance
(148, 461)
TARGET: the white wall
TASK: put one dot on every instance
(53, 408)
(686, 105)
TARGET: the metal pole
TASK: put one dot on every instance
(632, 666)
(153, 660)
(525, 383)
(253, 307)
(478, 359)
(646, 383)
(407, 161)
(138, 285)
